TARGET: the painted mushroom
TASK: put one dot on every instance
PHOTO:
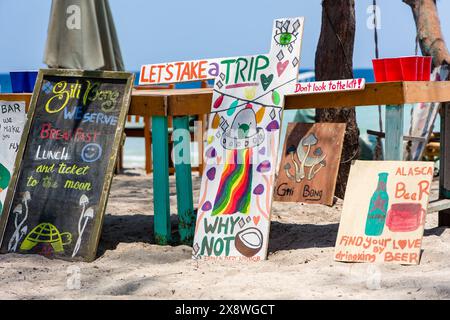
(291, 150)
(313, 171)
(308, 141)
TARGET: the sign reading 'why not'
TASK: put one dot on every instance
(233, 220)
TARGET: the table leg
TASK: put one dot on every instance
(444, 164)
(160, 142)
(183, 175)
(394, 133)
(148, 146)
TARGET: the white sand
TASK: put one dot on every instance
(300, 264)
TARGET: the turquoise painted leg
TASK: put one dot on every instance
(183, 175)
(394, 133)
(161, 180)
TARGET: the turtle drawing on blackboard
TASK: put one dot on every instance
(46, 233)
(5, 176)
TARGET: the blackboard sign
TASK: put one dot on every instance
(65, 164)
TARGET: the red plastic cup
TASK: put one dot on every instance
(409, 68)
(379, 70)
(426, 69)
(420, 69)
(393, 69)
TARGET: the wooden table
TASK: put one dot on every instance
(159, 104)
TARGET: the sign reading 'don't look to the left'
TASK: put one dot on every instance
(64, 168)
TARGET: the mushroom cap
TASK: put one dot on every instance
(18, 209)
(84, 199)
(310, 140)
(27, 195)
(89, 213)
(291, 148)
(318, 152)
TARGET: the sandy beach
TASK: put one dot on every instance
(300, 264)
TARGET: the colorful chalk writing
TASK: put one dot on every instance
(68, 155)
(384, 211)
(236, 193)
(12, 121)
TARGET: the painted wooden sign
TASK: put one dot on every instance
(330, 86)
(241, 154)
(384, 212)
(64, 168)
(310, 163)
(12, 121)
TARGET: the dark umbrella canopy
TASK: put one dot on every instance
(81, 35)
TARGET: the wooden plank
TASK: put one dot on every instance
(183, 176)
(162, 225)
(438, 205)
(134, 132)
(148, 105)
(198, 101)
(405, 138)
(373, 94)
(394, 133)
(444, 162)
(17, 97)
(195, 103)
(426, 91)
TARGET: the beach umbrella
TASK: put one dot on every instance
(81, 35)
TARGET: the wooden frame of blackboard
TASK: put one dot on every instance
(125, 104)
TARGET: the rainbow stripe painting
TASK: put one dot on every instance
(234, 191)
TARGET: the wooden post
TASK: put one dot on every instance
(394, 133)
(160, 142)
(148, 146)
(183, 176)
(444, 163)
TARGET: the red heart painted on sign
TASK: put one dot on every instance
(402, 243)
(256, 220)
(281, 66)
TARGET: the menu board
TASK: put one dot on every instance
(65, 164)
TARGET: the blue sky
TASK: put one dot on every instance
(158, 31)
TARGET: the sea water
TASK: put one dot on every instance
(367, 118)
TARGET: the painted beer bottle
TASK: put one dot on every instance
(376, 216)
